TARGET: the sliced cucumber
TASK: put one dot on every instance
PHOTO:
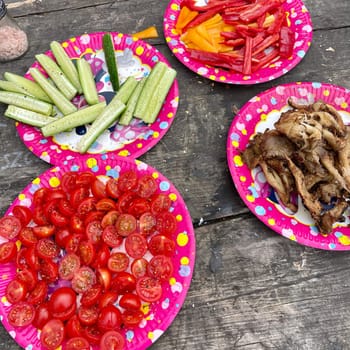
(28, 117)
(32, 88)
(87, 81)
(58, 77)
(111, 62)
(66, 64)
(12, 87)
(61, 102)
(82, 116)
(127, 89)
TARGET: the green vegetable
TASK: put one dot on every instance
(127, 115)
(158, 97)
(32, 88)
(87, 81)
(12, 87)
(108, 48)
(28, 117)
(148, 89)
(61, 102)
(108, 116)
(81, 117)
(25, 101)
(127, 89)
(58, 77)
(66, 64)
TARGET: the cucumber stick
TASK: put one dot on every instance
(32, 88)
(111, 62)
(127, 115)
(108, 116)
(28, 117)
(158, 97)
(66, 64)
(87, 81)
(58, 77)
(127, 89)
(61, 102)
(82, 116)
(149, 87)
(25, 101)
(12, 87)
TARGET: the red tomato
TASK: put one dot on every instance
(92, 334)
(8, 252)
(49, 207)
(93, 216)
(44, 231)
(15, 291)
(130, 301)
(39, 196)
(28, 276)
(48, 271)
(39, 216)
(132, 318)
(52, 334)
(85, 179)
(58, 219)
(98, 189)
(69, 181)
(111, 237)
(65, 207)
(109, 318)
(106, 204)
(77, 224)
(10, 226)
(73, 242)
(21, 258)
(149, 289)
(32, 258)
(38, 294)
(94, 231)
(88, 315)
(73, 327)
(61, 237)
(123, 282)
(86, 206)
(84, 278)
(78, 195)
(126, 224)
(136, 245)
(102, 256)
(127, 181)
(47, 248)
(112, 190)
(138, 206)
(166, 223)
(21, 314)
(87, 253)
(42, 315)
(27, 236)
(118, 262)
(54, 194)
(107, 298)
(77, 343)
(147, 224)
(147, 186)
(92, 295)
(139, 267)
(160, 202)
(110, 218)
(112, 340)
(160, 267)
(23, 213)
(160, 244)
(104, 277)
(125, 200)
(62, 303)
(68, 266)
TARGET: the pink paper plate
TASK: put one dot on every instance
(159, 315)
(260, 113)
(300, 23)
(135, 57)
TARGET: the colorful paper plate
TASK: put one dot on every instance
(159, 315)
(135, 57)
(259, 114)
(300, 23)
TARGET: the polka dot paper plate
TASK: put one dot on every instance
(158, 315)
(135, 57)
(300, 22)
(257, 115)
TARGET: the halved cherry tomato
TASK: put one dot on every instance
(109, 318)
(21, 258)
(118, 262)
(62, 303)
(166, 223)
(92, 295)
(77, 224)
(138, 206)
(42, 315)
(161, 244)
(136, 245)
(160, 267)
(32, 258)
(15, 291)
(93, 215)
(106, 204)
(73, 242)
(112, 340)
(130, 301)
(27, 236)
(86, 252)
(112, 190)
(86, 206)
(85, 179)
(47, 249)
(28, 276)
(21, 314)
(10, 226)
(92, 334)
(123, 282)
(73, 327)
(78, 195)
(108, 297)
(104, 277)
(44, 231)
(149, 289)
(39, 216)
(84, 278)
(38, 294)
(126, 224)
(77, 343)
(68, 266)
(139, 267)
(39, 196)
(125, 200)
(111, 237)
(147, 186)
(23, 213)
(61, 237)
(110, 218)
(65, 207)
(52, 334)
(88, 315)
(8, 252)
(48, 271)
(127, 181)
(54, 194)
(58, 219)
(69, 181)
(160, 202)
(98, 189)
(94, 231)
(102, 256)
(132, 318)
(147, 224)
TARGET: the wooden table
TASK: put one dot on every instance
(251, 288)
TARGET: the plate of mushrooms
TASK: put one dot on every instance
(288, 150)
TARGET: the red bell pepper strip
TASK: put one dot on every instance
(267, 42)
(213, 4)
(247, 64)
(265, 60)
(245, 30)
(275, 26)
(234, 42)
(257, 9)
(230, 35)
(202, 17)
(286, 42)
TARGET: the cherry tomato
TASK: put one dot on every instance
(32, 258)
(68, 266)
(77, 224)
(111, 237)
(52, 334)
(106, 204)
(44, 231)
(104, 277)
(130, 301)
(73, 327)
(85, 179)
(147, 186)
(78, 195)
(21, 258)
(92, 334)
(86, 206)
(77, 343)
(65, 207)
(107, 298)
(21, 314)
(112, 190)
(118, 262)
(38, 294)
(127, 181)
(49, 207)
(28, 276)
(136, 245)
(73, 241)
(109, 318)
(126, 224)
(98, 189)
(15, 291)
(39, 216)
(83, 279)
(8, 252)
(48, 271)
(160, 267)
(69, 181)
(93, 216)
(149, 289)
(132, 318)
(58, 219)
(27, 236)
(125, 200)
(147, 224)
(110, 218)
(54, 194)
(139, 267)
(138, 206)
(10, 226)
(160, 202)
(112, 340)
(160, 244)
(102, 256)
(61, 237)
(47, 248)
(42, 315)
(39, 196)
(166, 223)
(92, 295)
(88, 315)
(62, 303)
(87, 253)
(123, 282)
(94, 231)
(23, 213)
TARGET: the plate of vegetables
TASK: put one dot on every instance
(98, 251)
(288, 157)
(92, 94)
(238, 41)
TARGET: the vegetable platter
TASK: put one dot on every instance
(238, 41)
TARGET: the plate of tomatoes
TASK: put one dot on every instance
(98, 251)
